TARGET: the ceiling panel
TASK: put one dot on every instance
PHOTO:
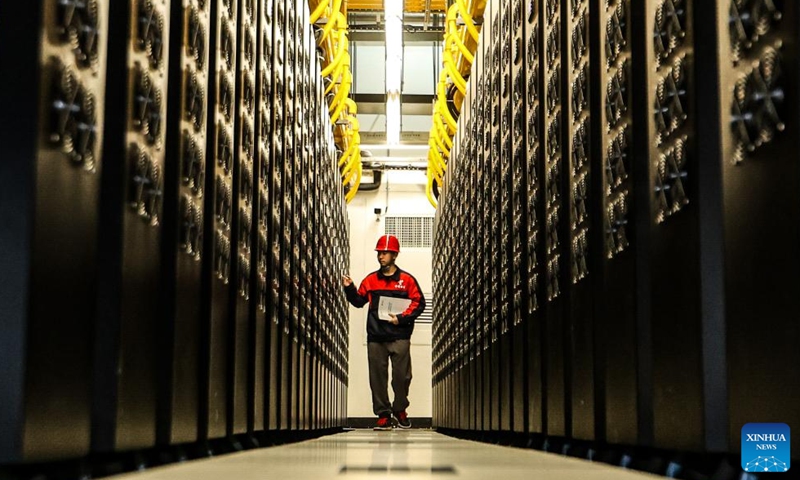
(411, 6)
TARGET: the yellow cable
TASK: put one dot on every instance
(352, 109)
(452, 71)
(338, 101)
(441, 105)
(438, 139)
(443, 134)
(434, 158)
(349, 172)
(452, 31)
(429, 191)
(333, 20)
(465, 14)
(341, 93)
(317, 13)
(457, 58)
(346, 155)
(355, 155)
(335, 79)
(352, 193)
(341, 49)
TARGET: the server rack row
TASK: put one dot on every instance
(175, 227)
(620, 211)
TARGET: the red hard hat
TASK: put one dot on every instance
(388, 243)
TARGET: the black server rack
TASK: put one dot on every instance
(480, 109)
(334, 327)
(627, 237)
(437, 398)
(462, 185)
(495, 192)
(176, 232)
(260, 373)
(288, 353)
(455, 344)
(321, 267)
(476, 264)
(52, 139)
(455, 178)
(535, 219)
(473, 346)
(318, 160)
(183, 225)
(325, 311)
(313, 232)
(301, 224)
(616, 385)
(439, 369)
(518, 293)
(242, 221)
(554, 215)
(467, 314)
(669, 244)
(757, 45)
(275, 230)
(486, 238)
(125, 389)
(504, 170)
(576, 178)
(218, 258)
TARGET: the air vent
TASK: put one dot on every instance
(427, 315)
(413, 232)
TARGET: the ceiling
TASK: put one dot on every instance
(411, 6)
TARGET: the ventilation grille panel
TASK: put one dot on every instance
(427, 315)
(413, 232)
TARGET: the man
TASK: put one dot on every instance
(388, 339)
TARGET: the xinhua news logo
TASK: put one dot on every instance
(766, 447)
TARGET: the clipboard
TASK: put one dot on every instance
(396, 306)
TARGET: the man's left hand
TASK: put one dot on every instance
(394, 320)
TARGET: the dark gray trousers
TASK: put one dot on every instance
(378, 354)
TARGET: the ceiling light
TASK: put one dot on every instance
(393, 13)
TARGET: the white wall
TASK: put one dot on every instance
(369, 69)
(406, 197)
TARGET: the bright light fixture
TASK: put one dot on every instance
(392, 118)
(393, 13)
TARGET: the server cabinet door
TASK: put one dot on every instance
(612, 191)
(535, 215)
(518, 191)
(262, 308)
(758, 122)
(505, 169)
(579, 343)
(184, 222)
(668, 138)
(218, 258)
(131, 225)
(242, 225)
(288, 351)
(276, 220)
(554, 217)
(53, 117)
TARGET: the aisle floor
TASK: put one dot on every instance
(409, 454)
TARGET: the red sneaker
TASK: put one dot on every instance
(384, 423)
(402, 419)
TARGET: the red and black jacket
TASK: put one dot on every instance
(399, 285)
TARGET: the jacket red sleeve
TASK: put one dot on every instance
(357, 298)
(417, 304)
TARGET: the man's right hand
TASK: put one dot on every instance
(347, 280)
